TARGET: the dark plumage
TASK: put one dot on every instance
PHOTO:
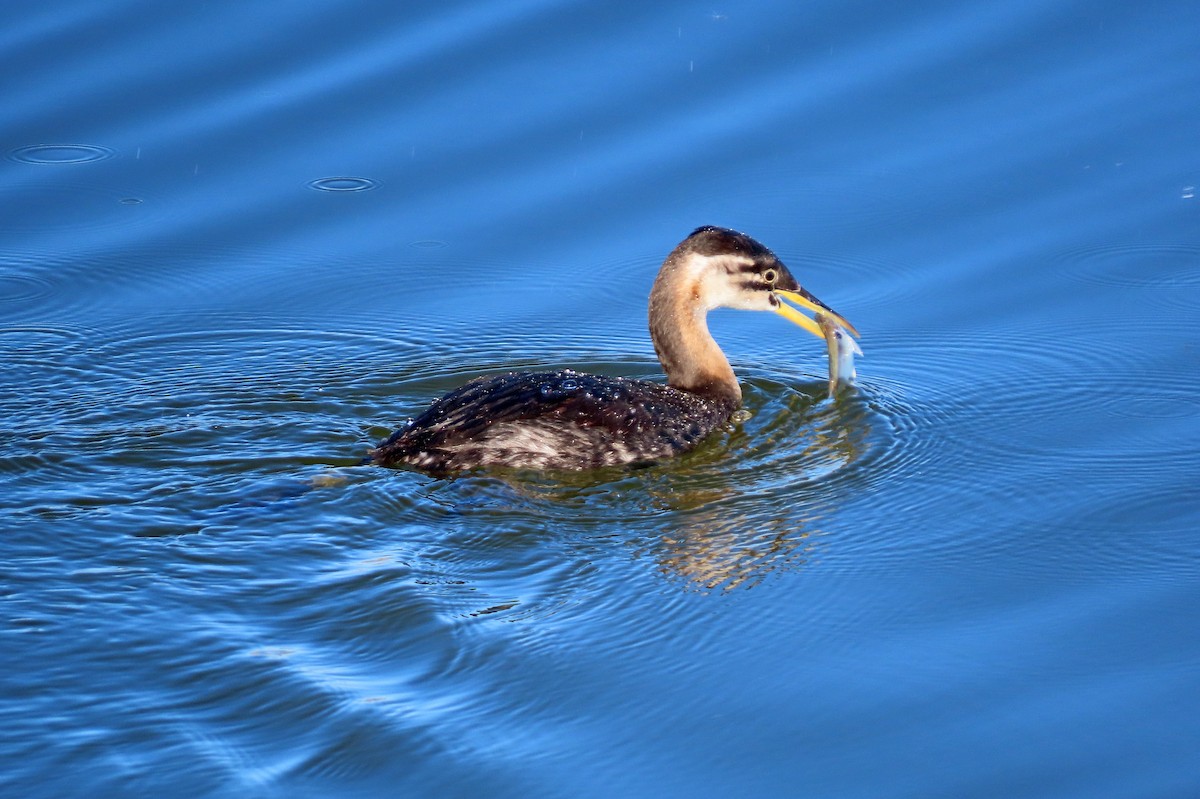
(554, 420)
(568, 420)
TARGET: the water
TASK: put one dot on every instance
(237, 248)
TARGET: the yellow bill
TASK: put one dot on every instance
(806, 300)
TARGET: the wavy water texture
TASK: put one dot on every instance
(239, 247)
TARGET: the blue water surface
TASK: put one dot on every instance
(241, 242)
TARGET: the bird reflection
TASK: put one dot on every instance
(713, 549)
(726, 537)
(754, 501)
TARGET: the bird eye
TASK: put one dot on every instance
(770, 276)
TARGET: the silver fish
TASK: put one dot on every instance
(842, 349)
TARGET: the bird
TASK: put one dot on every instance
(568, 420)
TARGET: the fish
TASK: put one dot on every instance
(842, 349)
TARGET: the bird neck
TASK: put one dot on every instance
(690, 356)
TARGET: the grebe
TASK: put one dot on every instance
(568, 420)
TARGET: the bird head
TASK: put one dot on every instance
(735, 271)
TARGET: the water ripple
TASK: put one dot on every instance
(282, 372)
(343, 184)
(1030, 428)
(55, 154)
(34, 342)
(1059, 384)
(63, 206)
(22, 289)
(867, 283)
(1167, 397)
(90, 284)
(1169, 274)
